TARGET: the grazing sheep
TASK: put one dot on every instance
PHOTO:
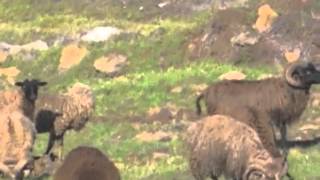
(84, 163)
(17, 134)
(220, 145)
(280, 100)
(23, 98)
(58, 113)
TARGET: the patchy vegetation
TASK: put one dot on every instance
(159, 72)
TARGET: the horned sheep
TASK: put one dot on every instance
(281, 100)
(87, 163)
(58, 113)
(220, 145)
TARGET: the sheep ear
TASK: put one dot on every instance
(19, 84)
(42, 83)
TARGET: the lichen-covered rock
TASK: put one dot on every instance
(232, 75)
(266, 16)
(71, 55)
(111, 63)
(99, 34)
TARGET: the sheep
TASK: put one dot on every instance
(84, 163)
(280, 99)
(23, 98)
(17, 134)
(58, 113)
(220, 145)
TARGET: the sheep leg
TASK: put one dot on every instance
(60, 147)
(52, 139)
(283, 132)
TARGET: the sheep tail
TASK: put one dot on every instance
(198, 103)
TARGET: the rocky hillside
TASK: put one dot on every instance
(147, 60)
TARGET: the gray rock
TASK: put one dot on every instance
(99, 34)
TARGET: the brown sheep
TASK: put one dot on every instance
(17, 134)
(58, 113)
(281, 100)
(84, 163)
(220, 145)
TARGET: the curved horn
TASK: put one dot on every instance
(289, 75)
(250, 170)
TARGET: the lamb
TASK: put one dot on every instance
(220, 145)
(58, 113)
(23, 98)
(84, 163)
(17, 134)
(280, 99)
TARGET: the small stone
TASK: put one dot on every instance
(177, 89)
(157, 136)
(244, 39)
(38, 45)
(292, 56)
(3, 56)
(266, 16)
(71, 55)
(110, 64)
(232, 75)
(99, 34)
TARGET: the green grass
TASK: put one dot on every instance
(157, 64)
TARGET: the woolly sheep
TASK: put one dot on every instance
(23, 98)
(280, 99)
(220, 145)
(84, 163)
(17, 134)
(58, 113)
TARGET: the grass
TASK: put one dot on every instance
(155, 48)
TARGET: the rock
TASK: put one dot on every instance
(232, 75)
(186, 115)
(163, 4)
(10, 73)
(157, 136)
(177, 89)
(3, 56)
(71, 55)
(11, 49)
(38, 45)
(292, 56)
(198, 87)
(110, 64)
(226, 4)
(309, 127)
(160, 155)
(99, 34)
(265, 76)
(160, 115)
(266, 16)
(244, 39)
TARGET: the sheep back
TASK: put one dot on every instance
(17, 134)
(222, 145)
(84, 163)
(67, 111)
(272, 96)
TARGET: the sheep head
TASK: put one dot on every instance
(273, 169)
(30, 88)
(302, 75)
